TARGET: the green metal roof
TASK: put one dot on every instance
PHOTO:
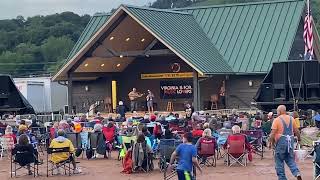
(251, 36)
(95, 23)
(230, 38)
(181, 32)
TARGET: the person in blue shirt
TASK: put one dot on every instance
(187, 154)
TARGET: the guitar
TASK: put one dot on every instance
(134, 97)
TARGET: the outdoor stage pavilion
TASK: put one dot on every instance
(194, 48)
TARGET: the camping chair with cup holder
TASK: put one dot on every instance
(207, 152)
(147, 162)
(24, 160)
(65, 165)
(165, 148)
(95, 143)
(76, 141)
(41, 135)
(236, 150)
(256, 141)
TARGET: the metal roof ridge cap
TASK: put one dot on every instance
(235, 4)
(156, 9)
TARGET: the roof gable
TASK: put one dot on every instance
(181, 32)
(251, 36)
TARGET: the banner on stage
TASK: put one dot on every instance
(167, 75)
(176, 89)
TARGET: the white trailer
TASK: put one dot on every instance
(43, 94)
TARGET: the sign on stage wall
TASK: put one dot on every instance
(175, 89)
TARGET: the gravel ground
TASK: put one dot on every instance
(111, 168)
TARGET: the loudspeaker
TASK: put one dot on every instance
(266, 92)
(295, 71)
(312, 72)
(280, 75)
(312, 80)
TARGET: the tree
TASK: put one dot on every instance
(56, 50)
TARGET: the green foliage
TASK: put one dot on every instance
(38, 44)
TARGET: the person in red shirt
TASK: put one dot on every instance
(197, 132)
(9, 133)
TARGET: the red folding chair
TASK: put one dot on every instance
(236, 150)
(207, 152)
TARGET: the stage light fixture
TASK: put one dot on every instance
(121, 56)
(128, 39)
(118, 65)
(102, 65)
(111, 38)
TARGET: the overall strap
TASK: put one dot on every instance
(287, 133)
(287, 130)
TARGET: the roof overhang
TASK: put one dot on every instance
(62, 74)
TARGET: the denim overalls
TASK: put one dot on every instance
(284, 151)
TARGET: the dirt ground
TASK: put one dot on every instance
(111, 168)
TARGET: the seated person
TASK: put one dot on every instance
(236, 131)
(62, 142)
(29, 153)
(8, 133)
(207, 136)
(140, 152)
(121, 109)
(197, 132)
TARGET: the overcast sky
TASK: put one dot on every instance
(12, 8)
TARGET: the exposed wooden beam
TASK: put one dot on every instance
(150, 46)
(107, 33)
(94, 74)
(143, 53)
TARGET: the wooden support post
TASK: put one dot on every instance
(70, 90)
(196, 91)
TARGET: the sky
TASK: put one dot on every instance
(12, 8)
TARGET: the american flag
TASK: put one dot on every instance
(307, 34)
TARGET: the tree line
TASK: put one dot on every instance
(39, 44)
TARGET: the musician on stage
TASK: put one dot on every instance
(150, 97)
(222, 94)
(133, 96)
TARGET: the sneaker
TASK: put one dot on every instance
(77, 171)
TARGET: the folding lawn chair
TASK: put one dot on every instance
(19, 161)
(166, 147)
(207, 152)
(65, 165)
(256, 140)
(236, 150)
(170, 175)
(94, 139)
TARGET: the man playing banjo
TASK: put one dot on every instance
(133, 96)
